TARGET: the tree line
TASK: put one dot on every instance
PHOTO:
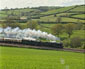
(73, 42)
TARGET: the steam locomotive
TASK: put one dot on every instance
(32, 43)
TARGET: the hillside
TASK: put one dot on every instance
(46, 16)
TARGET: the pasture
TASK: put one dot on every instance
(22, 58)
(80, 16)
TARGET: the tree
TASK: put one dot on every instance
(11, 23)
(75, 42)
(55, 15)
(32, 24)
(57, 29)
(6, 10)
(22, 13)
(83, 27)
(79, 25)
(10, 20)
(59, 19)
(69, 29)
(66, 43)
(12, 13)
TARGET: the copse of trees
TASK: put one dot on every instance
(9, 20)
(74, 42)
(32, 24)
(13, 25)
(79, 25)
(69, 29)
(57, 29)
(83, 27)
(59, 19)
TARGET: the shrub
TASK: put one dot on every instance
(66, 43)
(75, 42)
(57, 29)
(83, 46)
(32, 24)
(69, 29)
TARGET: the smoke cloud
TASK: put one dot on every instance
(26, 34)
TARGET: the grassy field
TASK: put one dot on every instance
(79, 8)
(66, 19)
(17, 11)
(63, 14)
(58, 10)
(50, 18)
(80, 16)
(63, 19)
(22, 58)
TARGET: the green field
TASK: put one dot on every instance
(22, 58)
(63, 11)
(51, 18)
(79, 8)
(58, 10)
(66, 19)
(80, 16)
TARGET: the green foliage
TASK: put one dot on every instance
(59, 19)
(83, 46)
(32, 25)
(75, 42)
(69, 29)
(13, 25)
(79, 25)
(22, 26)
(83, 27)
(9, 20)
(57, 29)
(66, 43)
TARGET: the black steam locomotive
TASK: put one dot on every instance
(32, 43)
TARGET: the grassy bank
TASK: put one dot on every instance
(22, 58)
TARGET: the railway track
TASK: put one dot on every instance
(42, 47)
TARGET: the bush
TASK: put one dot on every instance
(57, 29)
(69, 28)
(66, 43)
(75, 42)
(83, 46)
(32, 24)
